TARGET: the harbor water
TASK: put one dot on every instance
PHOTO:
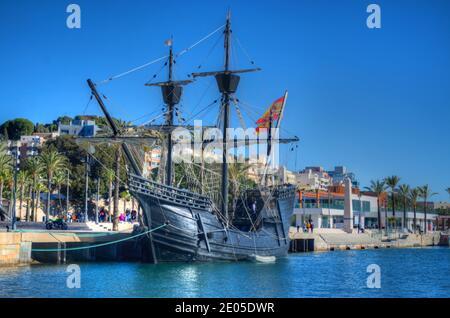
(409, 272)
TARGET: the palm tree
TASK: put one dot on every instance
(9, 180)
(59, 180)
(378, 187)
(22, 180)
(28, 199)
(34, 169)
(116, 189)
(448, 190)
(425, 193)
(403, 191)
(126, 197)
(109, 176)
(392, 182)
(51, 162)
(413, 196)
(5, 166)
(40, 187)
(238, 174)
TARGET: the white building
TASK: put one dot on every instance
(328, 212)
(79, 127)
(313, 178)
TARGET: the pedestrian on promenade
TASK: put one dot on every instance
(312, 226)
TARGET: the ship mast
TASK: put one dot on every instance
(227, 81)
(171, 91)
(169, 121)
(226, 120)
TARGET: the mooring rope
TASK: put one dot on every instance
(96, 245)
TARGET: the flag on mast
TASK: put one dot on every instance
(271, 114)
(168, 42)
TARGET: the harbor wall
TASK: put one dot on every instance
(340, 240)
(13, 250)
(22, 248)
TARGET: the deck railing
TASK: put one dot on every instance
(161, 191)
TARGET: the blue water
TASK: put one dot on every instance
(414, 272)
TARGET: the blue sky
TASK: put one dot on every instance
(376, 101)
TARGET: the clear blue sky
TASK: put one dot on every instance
(377, 101)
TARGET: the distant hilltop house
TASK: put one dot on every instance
(79, 127)
(152, 160)
(313, 178)
(30, 145)
(278, 174)
(317, 178)
(441, 205)
(340, 173)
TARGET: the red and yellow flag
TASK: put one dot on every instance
(271, 114)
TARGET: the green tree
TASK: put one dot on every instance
(403, 192)
(34, 169)
(5, 167)
(126, 197)
(52, 162)
(59, 180)
(109, 176)
(22, 181)
(9, 181)
(414, 194)
(378, 187)
(238, 175)
(425, 193)
(118, 156)
(40, 188)
(13, 129)
(65, 120)
(392, 183)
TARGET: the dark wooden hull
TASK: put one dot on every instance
(197, 234)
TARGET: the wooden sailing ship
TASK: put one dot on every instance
(198, 227)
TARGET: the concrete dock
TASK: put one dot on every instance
(87, 242)
(96, 242)
(336, 239)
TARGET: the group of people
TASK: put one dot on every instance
(128, 216)
(73, 217)
(308, 226)
(103, 216)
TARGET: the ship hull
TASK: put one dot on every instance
(191, 234)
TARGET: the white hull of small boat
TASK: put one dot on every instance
(264, 259)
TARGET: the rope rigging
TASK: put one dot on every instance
(208, 182)
(182, 52)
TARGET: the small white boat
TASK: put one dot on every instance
(264, 259)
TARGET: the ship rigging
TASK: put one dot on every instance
(200, 224)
